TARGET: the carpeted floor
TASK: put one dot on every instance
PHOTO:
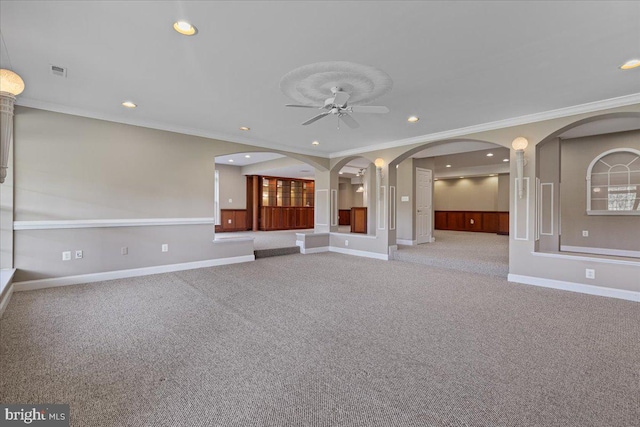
(482, 253)
(323, 340)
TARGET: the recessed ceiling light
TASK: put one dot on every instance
(244, 128)
(462, 177)
(413, 119)
(448, 166)
(340, 173)
(435, 179)
(230, 160)
(315, 143)
(184, 28)
(493, 174)
(247, 156)
(129, 104)
(633, 63)
(505, 160)
(489, 154)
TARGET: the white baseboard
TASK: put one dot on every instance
(576, 287)
(6, 287)
(4, 302)
(314, 250)
(406, 242)
(31, 285)
(600, 251)
(359, 253)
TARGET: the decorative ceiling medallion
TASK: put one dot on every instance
(311, 84)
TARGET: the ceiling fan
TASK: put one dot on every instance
(337, 105)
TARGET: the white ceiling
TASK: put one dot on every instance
(453, 64)
(240, 159)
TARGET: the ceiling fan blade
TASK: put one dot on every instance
(349, 121)
(341, 98)
(369, 109)
(301, 106)
(316, 118)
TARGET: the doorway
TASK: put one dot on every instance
(424, 201)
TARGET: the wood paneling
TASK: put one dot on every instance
(486, 222)
(359, 220)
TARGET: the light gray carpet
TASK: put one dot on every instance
(323, 340)
(483, 253)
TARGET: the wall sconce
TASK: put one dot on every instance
(519, 144)
(11, 85)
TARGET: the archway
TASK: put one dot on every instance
(565, 222)
(470, 206)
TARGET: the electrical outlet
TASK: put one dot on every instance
(590, 273)
(585, 233)
(346, 243)
(230, 200)
(79, 254)
(124, 250)
(165, 247)
(228, 221)
(66, 256)
(472, 221)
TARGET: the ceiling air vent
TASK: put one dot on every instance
(58, 71)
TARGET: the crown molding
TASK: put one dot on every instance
(589, 107)
(605, 104)
(151, 124)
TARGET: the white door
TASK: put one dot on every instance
(423, 205)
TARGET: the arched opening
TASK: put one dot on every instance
(356, 198)
(595, 210)
(267, 196)
(452, 205)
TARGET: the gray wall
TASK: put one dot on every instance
(74, 168)
(468, 194)
(405, 210)
(233, 185)
(503, 192)
(609, 232)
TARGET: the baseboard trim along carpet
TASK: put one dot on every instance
(31, 285)
(406, 242)
(359, 253)
(314, 250)
(576, 287)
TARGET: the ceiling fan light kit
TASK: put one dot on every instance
(336, 86)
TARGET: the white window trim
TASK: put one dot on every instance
(588, 189)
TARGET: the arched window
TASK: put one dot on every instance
(613, 183)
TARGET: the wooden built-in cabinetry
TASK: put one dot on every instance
(280, 203)
(232, 220)
(344, 217)
(359, 220)
(486, 222)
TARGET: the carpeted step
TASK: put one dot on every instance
(265, 253)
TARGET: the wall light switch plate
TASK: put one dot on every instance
(66, 256)
(79, 254)
(590, 273)
(585, 233)
(230, 200)
(124, 250)
(165, 247)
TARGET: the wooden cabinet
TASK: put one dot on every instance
(486, 222)
(359, 220)
(285, 218)
(232, 220)
(282, 203)
(344, 217)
